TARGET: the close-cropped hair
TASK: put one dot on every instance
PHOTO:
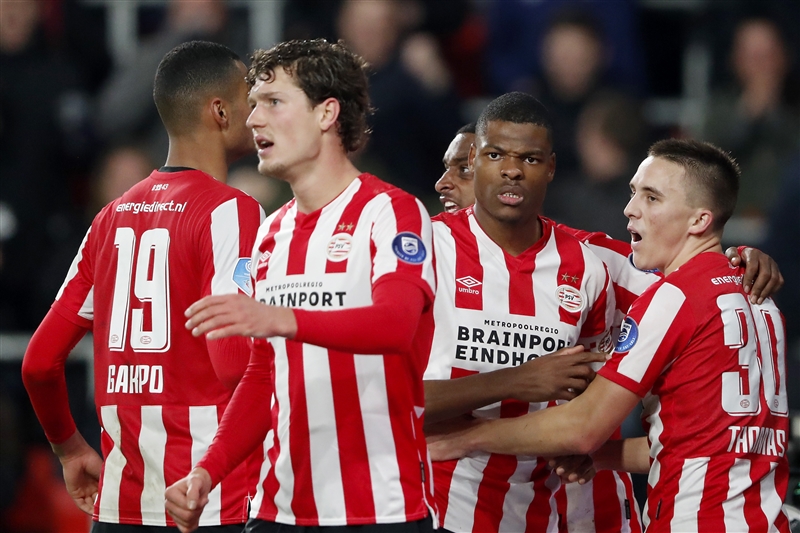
(518, 108)
(323, 70)
(187, 75)
(711, 173)
(466, 128)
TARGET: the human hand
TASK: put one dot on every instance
(421, 56)
(81, 466)
(572, 468)
(561, 375)
(762, 277)
(448, 439)
(237, 314)
(186, 498)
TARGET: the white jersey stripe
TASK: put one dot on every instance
(385, 261)
(463, 494)
(283, 465)
(378, 435)
(495, 287)
(519, 496)
(544, 288)
(580, 508)
(278, 263)
(202, 426)
(690, 488)
(326, 470)
(87, 307)
(771, 501)
(266, 466)
(662, 310)
(112, 466)
(738, 481)
(225, 246)
(152, 444)
(73, 268)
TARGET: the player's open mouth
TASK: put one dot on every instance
(449, 205)
(262, 143)
(510, 198)
(635, 237)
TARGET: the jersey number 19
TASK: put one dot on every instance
(150, 281)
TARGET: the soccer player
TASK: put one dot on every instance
(594, 506)
(342, 319)
(176, 236)
(511, 289)
(455, 186)
(708, 363)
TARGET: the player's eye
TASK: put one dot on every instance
(493, 156)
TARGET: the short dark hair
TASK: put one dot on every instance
(711, 172)
(466, 128)
(516, 107)
(188, 74)
(323, 70)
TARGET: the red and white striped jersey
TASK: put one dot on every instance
(628, 281)
(493, 311)
(347, 445)
(170, 240)
(711, 369)
(607, 503)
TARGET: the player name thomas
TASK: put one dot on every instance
(151, 207)
(756, 439)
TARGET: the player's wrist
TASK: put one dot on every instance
(74, 445)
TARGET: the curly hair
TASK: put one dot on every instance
(323, 70)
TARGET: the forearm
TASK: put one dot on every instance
(386, 326)
(448, 398)
(229, 357)
(44, 378)
(246, 420)
(578, 427)
(627, 455)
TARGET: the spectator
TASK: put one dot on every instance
(610, 140)
(125, 106)
(38, 87)
(757, 119)
(517, 27)
(416, 110)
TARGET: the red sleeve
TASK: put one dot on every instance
(43, 374)
(246, 420)
(229, 358)
(386, 326)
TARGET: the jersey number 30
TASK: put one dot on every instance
(150, 281)
(752, 330)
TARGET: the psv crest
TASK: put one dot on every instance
(569, 298)
(339, 247)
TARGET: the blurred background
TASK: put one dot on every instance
(78, 127)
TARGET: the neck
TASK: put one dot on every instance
(200, 154)
(693, 247)
(513, 237)
(323, 179)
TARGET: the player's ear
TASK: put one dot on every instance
(701, 222)
(328, 111)
(471, 157)
(219, 113)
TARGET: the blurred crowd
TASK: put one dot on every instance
(78, 126)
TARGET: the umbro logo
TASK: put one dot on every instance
(468, 285)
